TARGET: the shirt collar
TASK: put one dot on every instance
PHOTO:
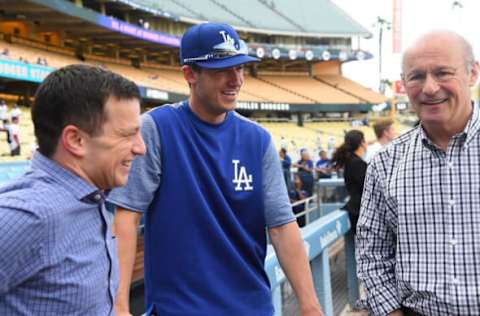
(80, 188)
(469, 132)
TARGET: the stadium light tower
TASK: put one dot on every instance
(381, 23)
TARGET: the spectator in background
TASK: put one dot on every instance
(13, 131)
(349, 157)
(5, 53)
(331, 146)
(6, 128)
(385, 133)
(318, 141)
(15, 113)
(296, 194)
(305, 171)
(286, 162)
(323, 166)
(3, 112)
(283, 143)
(42, 61)
(58, 253)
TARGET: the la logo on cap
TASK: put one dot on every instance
(227, 39)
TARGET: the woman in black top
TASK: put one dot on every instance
(348, 156)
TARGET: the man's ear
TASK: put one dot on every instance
(73, 140)
(189, 75)
(474, 74)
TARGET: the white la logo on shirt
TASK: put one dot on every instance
(241, 177)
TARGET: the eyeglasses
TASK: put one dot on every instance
(220, 53)
(418, 78)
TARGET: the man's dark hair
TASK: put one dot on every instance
(75, 95)
(346, 152)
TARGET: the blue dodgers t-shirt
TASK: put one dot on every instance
(221, 185)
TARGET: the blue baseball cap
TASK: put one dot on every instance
(213, 46)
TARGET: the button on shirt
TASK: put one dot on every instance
(57, 252)
(418, 237)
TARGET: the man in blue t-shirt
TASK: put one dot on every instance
(209, 185)
(323, 166)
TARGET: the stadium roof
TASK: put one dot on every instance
(310, 18)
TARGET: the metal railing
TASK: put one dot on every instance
(311, 206)
(318, 236)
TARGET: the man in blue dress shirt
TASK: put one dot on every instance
(58, 254)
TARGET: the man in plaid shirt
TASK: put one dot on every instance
(418, 236)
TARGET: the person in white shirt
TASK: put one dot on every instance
(385, 133)
(13, 131)
(15, 112)
(3, 112)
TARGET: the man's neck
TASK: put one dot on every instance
(441, 135)
(70, 163)
(203, 114)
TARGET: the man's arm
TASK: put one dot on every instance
(291, 254)
(125, 225)
(23, 239)
(285, 234)
(375, 244)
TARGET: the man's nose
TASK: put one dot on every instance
(430, 86)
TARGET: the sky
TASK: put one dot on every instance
(418, 17)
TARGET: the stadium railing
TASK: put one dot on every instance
(12, 170)
(318, 236)
(325, 225)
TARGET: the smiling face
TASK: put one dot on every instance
(109, 154)
(214, 91)
(437, 79)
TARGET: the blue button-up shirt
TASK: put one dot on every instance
(57, 251)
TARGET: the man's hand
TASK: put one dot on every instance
(397, 312)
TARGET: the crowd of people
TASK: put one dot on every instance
(5, 54)
(349, 161)
(209, 183)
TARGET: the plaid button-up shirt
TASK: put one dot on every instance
(57, 252)
(418, 236)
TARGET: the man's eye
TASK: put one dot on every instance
(444, 74)
(415, 77)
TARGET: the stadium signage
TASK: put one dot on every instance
(156, 94)
(139, 32)
(263, 106)
(22, 71)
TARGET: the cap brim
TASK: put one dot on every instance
(227, 62)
